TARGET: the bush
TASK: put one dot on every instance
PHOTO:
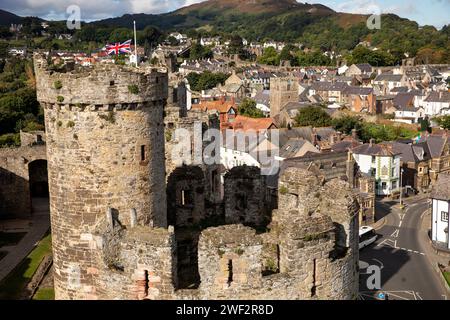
(314, 117)
(60, 99)
(133, 89)
(110, 117)
(70, 124)
(58, 85)
(10, 140)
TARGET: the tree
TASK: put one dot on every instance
(248, 108)
(150, 34)
(236, 46)
(346, 124)
(173, 41)
(425, 125)
(313, 116)
(444, 122)
(270, 56)
(206, 80)
(121, 35)
(200, 52)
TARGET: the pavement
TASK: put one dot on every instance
(39, 225)
(403, 254)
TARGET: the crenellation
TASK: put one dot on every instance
(129, 222)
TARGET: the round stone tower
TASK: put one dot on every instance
(105, 146)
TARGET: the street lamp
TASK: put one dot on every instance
(401, 187)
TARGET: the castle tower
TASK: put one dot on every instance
(105, 146)
(282, 91)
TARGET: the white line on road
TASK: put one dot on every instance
(400, 225)
(395, 234)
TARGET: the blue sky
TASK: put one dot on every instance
(431, 12)
(425, 12)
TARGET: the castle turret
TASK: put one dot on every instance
(105, 146)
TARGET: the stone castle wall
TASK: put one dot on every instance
(15, 197)
(108, 197)
(245, 197)
(105, 150)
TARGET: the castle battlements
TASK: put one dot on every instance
(100, 84)
(124, 228)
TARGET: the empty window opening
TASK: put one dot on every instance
(186, 197)
(313, 289)
(39, 138)
(278, 258)
(230, 272)
(146, 284)
(111, 83)
(143, 153)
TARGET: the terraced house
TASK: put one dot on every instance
(381, 162)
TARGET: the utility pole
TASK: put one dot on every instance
(401, 187)
(135, 44)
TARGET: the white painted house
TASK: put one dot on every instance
(437, 103)
(440, 224)
(382, 163)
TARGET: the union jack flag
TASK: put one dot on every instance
(119, 48)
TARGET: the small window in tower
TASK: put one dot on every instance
(111, 83)
(186, 198)
(230, 272)
(146, 284)
(38, 138)
(157, 80)
(313, 289)
(143, 155)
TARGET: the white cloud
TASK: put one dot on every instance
(91, 9)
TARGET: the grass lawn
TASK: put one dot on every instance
(447, 277)
(12, 286)
(10, 238)
(45, 294)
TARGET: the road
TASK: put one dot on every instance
(401, 254)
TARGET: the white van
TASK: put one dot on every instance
(367, 236)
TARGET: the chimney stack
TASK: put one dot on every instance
(372, 142)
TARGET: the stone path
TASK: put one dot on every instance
(40, 225)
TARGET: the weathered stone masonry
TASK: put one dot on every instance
(15, 184)
(111, 239)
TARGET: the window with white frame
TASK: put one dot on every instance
(444, 216)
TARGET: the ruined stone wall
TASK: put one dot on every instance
(106, 150)
(15, 199)
(245, 197)
(134, 262)
(312, 238)
(32, 138)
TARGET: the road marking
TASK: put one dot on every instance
(395, 234)
(393, 244)
(400, 225)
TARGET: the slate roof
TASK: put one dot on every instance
(381, 149)
(435, 144)
(364, 67)
(291, 148)
(441, 189)
(412, 152)
(389, 77)
(443, 96)
(361, 91)
(404, 100)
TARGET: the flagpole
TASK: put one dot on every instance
(135, 44)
